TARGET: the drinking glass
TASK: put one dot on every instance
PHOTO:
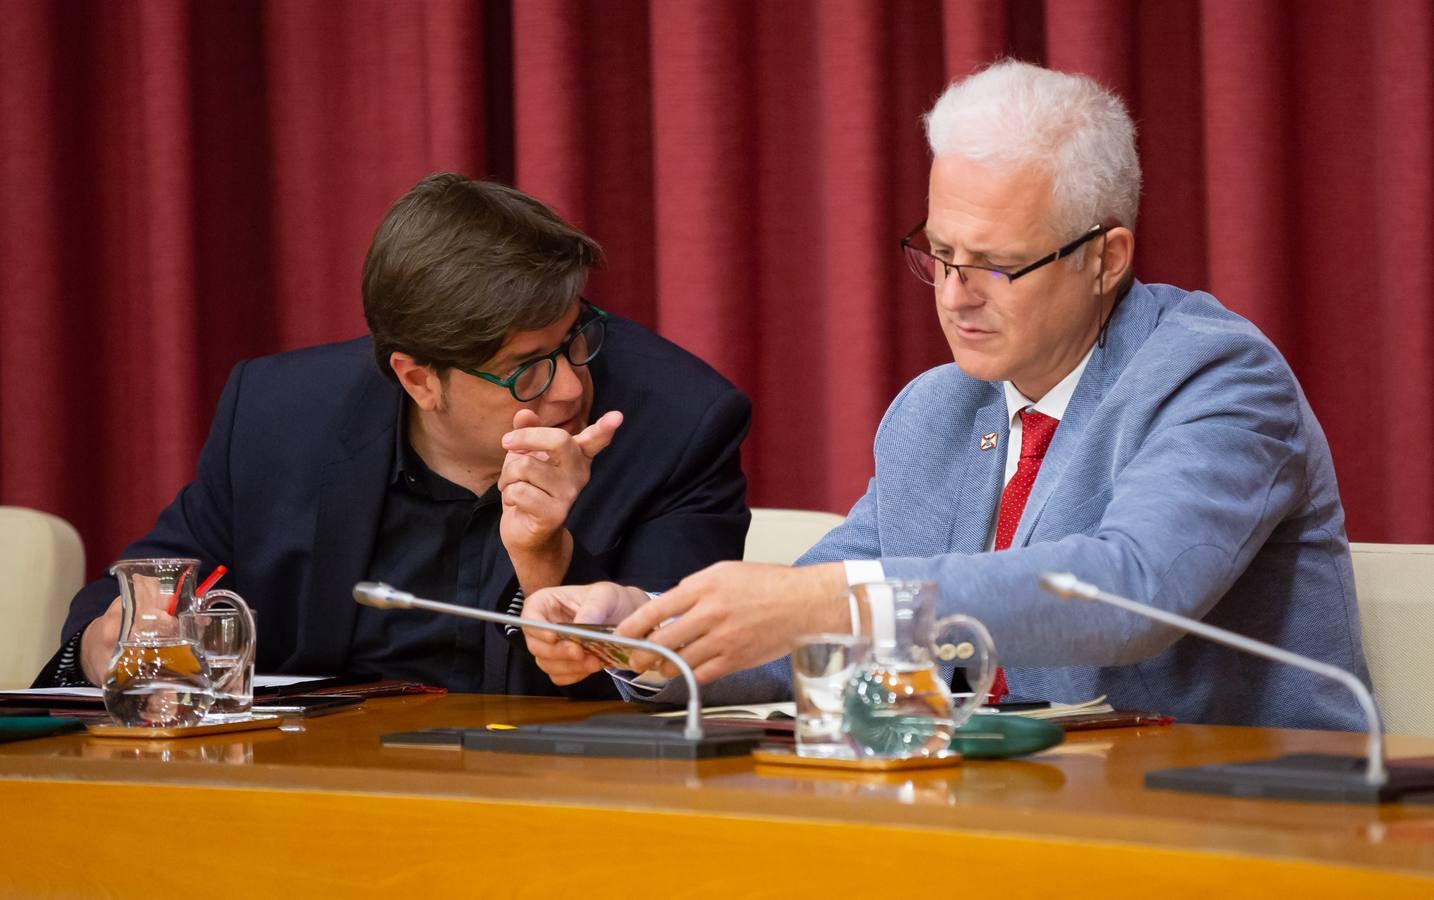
(222, 636)
(822, 667)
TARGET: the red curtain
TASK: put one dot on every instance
(183, 185)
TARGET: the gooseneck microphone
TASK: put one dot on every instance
(383, 596)
(1298, 776)
(1064, 584)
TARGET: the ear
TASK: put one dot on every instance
(421, 383)
(1117, 255)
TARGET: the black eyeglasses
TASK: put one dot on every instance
(924, 264)
(535, 376)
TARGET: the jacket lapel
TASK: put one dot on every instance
(350, 504)
(1133, 321)
(980, 490)
(1087, 397)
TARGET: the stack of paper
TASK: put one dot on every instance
(1057, 710)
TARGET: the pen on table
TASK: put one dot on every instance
(1018, 705)
(1012, 705)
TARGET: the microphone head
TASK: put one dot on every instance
(1065, 584)
(379, 595)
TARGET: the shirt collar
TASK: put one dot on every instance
(412, 472)
(405, 459)
(1055, 401)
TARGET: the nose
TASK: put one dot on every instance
(567, 384)
(954, 293)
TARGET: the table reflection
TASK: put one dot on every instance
(233, 751)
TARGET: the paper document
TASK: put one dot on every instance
(787, 710)
(283, 680)
(259, 682)
(1056, 710)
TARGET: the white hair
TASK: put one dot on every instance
(1080, 133)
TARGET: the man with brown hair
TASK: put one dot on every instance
(513, 436)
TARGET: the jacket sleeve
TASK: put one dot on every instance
(856, 538)
(700, 516)
(198, 523)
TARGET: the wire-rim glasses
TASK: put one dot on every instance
(530, 380)
(923, 263)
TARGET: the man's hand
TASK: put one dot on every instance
(545, 470)
(593, 604)
(734, 615)
(97, 646)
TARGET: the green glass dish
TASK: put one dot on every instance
(1003, 735)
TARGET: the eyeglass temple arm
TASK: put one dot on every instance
(1095, 230)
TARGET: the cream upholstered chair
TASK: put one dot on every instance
(782, 535)
(42, 565)
(1395, 584)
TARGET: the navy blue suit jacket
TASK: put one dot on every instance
(290, 487)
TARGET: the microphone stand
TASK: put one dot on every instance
(383, 596)
(1299, 776)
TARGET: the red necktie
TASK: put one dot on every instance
(1036, 432)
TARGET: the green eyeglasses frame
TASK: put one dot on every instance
(594, 330)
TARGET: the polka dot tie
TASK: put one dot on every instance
(1036, 432)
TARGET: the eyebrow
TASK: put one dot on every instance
(512, 359)
(986, 254)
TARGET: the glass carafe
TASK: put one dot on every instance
(159, 675)
(898, 704)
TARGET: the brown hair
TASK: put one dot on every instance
(457, 264)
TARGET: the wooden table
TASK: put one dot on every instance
(326, 810)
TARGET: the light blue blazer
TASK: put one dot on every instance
(1189, 473)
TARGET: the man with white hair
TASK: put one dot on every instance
(1138, 435)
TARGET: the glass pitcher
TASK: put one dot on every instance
(159, 676)
(898, 704)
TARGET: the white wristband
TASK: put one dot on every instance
(860, 571)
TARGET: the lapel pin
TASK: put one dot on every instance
(988, 441)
